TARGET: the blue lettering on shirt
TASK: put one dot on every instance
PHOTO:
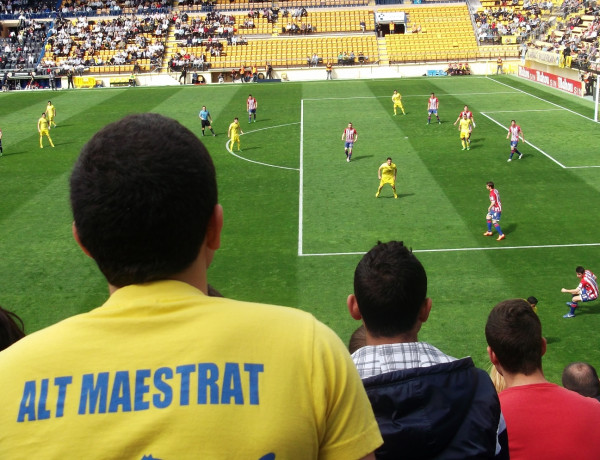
(141, 390)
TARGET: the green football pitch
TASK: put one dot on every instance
(298, 217)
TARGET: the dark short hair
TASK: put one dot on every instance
(532, 300)
(390, 286)
(11, 328)
(579, 269)
(581, 378)
(490, 184)
(514, 332)
(142, 193)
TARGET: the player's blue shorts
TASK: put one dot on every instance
(348, 145)
(433, 111)
(586, 297)
(493, 216)
(252, 111)
(513, 144)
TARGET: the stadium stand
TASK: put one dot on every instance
(125, 36)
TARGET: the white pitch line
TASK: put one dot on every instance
(523, 111)
(403, 96)
(499, 248)
(301, 186)
(542, 99)
(527, 142)
(230, 150)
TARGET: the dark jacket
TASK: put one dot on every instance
(447, 411)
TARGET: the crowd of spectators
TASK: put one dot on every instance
(22, 48)
(575, 40)
(492, 24)
(77, 44)
(26, 7)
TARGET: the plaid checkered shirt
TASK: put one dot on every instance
(379, 359)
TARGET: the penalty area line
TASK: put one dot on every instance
(229, 148)
(499, 248)
(527, 142)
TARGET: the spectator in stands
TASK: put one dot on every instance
(154, 246)
(582, 378)
(11, 327)
(531, 405)
(363, 26)
(269, 70)
(314, 60)
(408, 381)
(329, 71)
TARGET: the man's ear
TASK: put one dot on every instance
(213, 231)
(353, 307)
(76, 236)
(492, 355)
(544, 345)
(425, 310)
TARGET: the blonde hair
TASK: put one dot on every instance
(497, 379)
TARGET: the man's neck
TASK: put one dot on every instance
(516, 380)
(402, 338)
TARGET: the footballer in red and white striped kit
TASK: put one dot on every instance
(432, 108)
(251, 106)
(469, 116)
(350, 136)
(586, 291)
(494, 212)
(514, 131)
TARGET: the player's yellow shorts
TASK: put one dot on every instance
(464, 134)
(44, 132)
(235, 138)
(387, 180)
(398, 104)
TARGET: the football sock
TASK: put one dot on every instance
(573, 308)
(489, 225)
(498, 229)
(511, 154)
(212, 131)
(203, 132)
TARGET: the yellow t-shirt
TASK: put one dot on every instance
(388, 173)
(234, 129)
(43, 123)
(397, 98)
(50, 111)
(465, 125)
(162, 370)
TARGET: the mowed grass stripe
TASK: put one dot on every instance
(341, 211)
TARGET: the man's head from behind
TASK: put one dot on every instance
(143, 192)
(514, 335)
(390, 288)
(581, 378)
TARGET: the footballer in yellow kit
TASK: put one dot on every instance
(397, 100)
(465, 127)
(42, 127)
(234, 132)
(387, 175)
(50, 114)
